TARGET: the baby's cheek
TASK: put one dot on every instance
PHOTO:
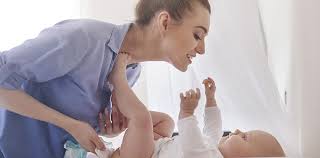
(235, 146)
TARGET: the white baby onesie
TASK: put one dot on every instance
(191, 142)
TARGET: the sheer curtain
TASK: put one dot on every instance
(237, 57)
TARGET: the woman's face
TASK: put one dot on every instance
(183, 41)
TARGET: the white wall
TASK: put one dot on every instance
(21, 20)
(117, 12)
(277, 26)
(293, 36)
(305, 74)
(277, 19)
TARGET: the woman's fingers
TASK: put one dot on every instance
(86, 136)
(122, 125)
(115, 120)
(108, 125)
(102, 124)
(97, 143)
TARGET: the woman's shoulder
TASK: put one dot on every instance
(86, 22)
(92, 28)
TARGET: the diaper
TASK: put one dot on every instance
(158, 145)
(105, 154)
(74, 150)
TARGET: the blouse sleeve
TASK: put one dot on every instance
(54, 53)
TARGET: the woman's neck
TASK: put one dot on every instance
(142, 44)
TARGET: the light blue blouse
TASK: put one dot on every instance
(65, 68)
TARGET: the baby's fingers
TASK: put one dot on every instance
(206, 83)
(188, 95)
(198, 93)
(181, 96)
(211, 81)
(193, 93)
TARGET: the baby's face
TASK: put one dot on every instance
(249, 144)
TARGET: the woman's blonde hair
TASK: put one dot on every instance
(146, 9)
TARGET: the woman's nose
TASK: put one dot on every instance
(200, 49)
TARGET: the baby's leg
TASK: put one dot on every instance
(139, 135)
(138, 140)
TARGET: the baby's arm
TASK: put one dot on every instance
(163, 125)
(139, 134)
(212, 117)
(189, 102)
(190, 136)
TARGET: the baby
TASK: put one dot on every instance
(148, 133)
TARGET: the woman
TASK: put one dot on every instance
(53, 87)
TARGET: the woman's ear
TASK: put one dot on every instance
(163, 22)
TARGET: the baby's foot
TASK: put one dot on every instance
(119, 68)
(189, 102)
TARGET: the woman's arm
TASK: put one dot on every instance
(21, 103)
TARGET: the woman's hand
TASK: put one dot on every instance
(86, 136)
(114, 124)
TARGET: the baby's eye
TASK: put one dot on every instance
(244, 137)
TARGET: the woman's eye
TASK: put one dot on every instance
(197, 37)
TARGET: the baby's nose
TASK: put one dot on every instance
(237, 131)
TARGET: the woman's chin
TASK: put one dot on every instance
(182, 68)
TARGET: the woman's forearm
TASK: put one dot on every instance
(21, 103)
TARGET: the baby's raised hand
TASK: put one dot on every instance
(119, 68)
(189, 102)
(210, 89)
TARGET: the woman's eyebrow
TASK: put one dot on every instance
(203, 28)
